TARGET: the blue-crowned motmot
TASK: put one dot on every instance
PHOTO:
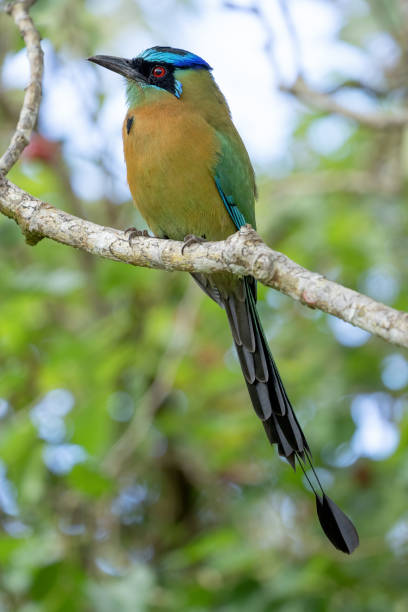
(190, 175)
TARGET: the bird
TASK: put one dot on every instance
(191, 178)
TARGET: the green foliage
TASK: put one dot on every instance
(133, 472)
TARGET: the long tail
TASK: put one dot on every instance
(273, 407)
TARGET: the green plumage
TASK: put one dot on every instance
(236, 175)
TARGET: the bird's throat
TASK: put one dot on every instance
(135, 93)
(140, 94)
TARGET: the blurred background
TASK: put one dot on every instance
(133, 471)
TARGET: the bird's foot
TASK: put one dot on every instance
(192, 239)
(135, 233)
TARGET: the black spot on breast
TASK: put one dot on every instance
(129, 124)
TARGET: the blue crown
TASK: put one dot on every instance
(176, 57)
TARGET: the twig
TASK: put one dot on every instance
(29, 112)
(243, 253)
(370, 90)
(290, 26)
(322, 182)
(378, 121)
(256, 9)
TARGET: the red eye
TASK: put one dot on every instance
(159, 72)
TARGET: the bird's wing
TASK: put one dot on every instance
(235, 179)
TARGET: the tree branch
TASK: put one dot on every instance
(301, 90)
(326, 103)
(29, 111)
(323, 182)
(243, 253)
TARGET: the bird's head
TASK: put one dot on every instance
(157, 69)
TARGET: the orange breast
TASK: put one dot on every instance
(170, 154)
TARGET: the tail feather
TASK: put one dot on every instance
(261, 399)
(241, 322)
(264, 384)
(254, 364)
(273, 407)
(247, 362)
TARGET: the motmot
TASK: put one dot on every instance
(191, 178)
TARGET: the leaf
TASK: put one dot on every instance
(89, 481)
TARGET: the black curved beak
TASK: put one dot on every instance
(118, 64)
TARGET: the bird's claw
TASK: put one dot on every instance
(135, 233)
(191, 239)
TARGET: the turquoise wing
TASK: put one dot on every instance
(235, 180)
